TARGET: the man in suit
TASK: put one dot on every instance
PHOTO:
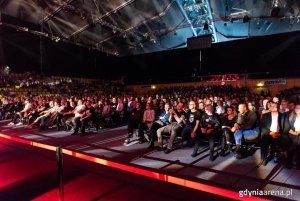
(271, 130)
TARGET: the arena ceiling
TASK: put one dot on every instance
(128, 27)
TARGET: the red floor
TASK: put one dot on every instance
(98, 167)
(29, 173)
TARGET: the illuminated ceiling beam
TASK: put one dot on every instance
(100, 18)
(57, 10)
(159, 15)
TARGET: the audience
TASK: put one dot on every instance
(231, 114)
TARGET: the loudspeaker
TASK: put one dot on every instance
(199, 42)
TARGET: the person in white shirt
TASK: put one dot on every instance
(75, 121)
(271, 129)
(22, 114)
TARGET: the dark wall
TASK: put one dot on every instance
(22, 52)
(263, 54)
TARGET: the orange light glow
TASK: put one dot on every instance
(135, 170)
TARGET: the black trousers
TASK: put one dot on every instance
(153, 131)
(227, 136)
(294, 149)
(84, 124)
(133, 124)
(202, 137)
(267, 141)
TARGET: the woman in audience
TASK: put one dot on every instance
(209, 125)
(228, 122)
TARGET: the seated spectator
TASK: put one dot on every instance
(88, 115)
(78, 113)
(191, 122)
(228, 122)
(209, 126)
(162, 120)
(219, 108)
(173, 129)
(135, 119)
(271, 129)
(292, 127)
(146, 124)
(21, 114)
(246, 127)
(40, 121)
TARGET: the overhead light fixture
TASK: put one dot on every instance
(275, 8)
(246, 19)
(205, 26)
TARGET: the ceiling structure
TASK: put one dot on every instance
(129, 27)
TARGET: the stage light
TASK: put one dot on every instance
(260, 84)
(275, 8)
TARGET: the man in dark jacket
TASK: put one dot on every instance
(271, 130)
(246, 126)
(135, 119)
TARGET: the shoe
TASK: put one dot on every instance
(127, 141)
(238, 152)
(211, 157)
(275, 159)
(147, 137)
(223, 152)
(168, 150)
(19, 124)
(238, 155)
(264, 162)
(11, 124)
(194, 154)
